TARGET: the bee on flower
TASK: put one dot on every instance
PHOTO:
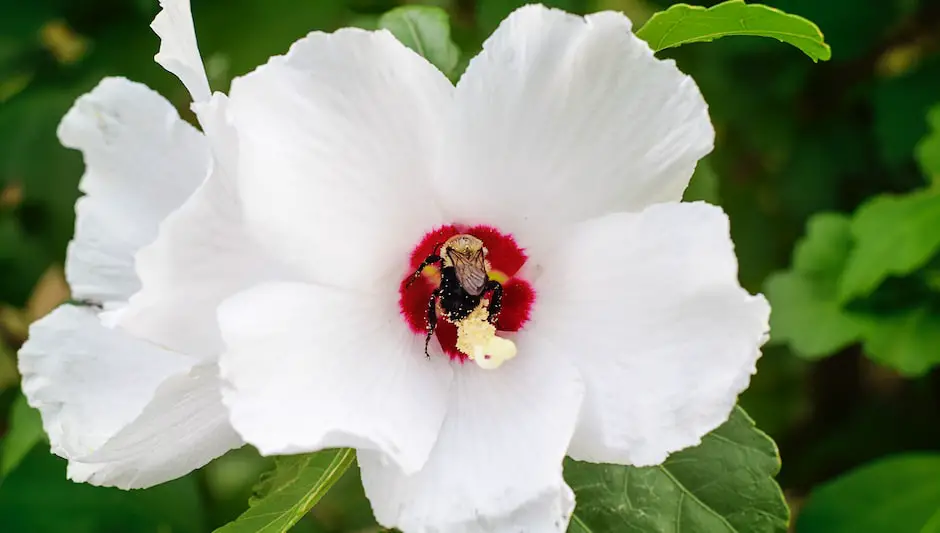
(465, 283)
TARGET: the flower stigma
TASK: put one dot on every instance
(476, 337)
(463, 287)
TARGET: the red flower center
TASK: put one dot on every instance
(504, 259)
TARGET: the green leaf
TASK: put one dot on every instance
(908, 342)
(725, 484)
(683, 24)
(426, 30)
(286, 494)
(806, 313)
(807, 316)
(896, 495)
(894, 235)
(24, 433)
(928, 149)
(823, 252)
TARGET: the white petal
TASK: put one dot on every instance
(500, 451)
(90, 381)
(203, 255)
(649, 308)
(338, 142)
(563, 118)
(142, 161)
(184, 427)
(179, 52)
(550, 513)
(312, 368)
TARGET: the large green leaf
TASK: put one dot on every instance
(894, 235)
(291, 490)
(806, 312)
(24, 433)
(723, 485)
(895, 495)
(426, 30)
(683, 24)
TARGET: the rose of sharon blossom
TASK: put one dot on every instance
(135, 408)
(323, 242)
(125, 410)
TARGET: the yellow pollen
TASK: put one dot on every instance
(476, 338)
(496, 275)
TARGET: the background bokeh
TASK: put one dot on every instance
(795, 139)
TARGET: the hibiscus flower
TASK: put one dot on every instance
(348, 183)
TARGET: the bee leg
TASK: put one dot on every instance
(432, 320)
(428, 261)
(496, 300)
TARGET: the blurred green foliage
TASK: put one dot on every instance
(828, 172)
(896, 494)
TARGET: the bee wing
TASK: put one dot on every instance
(471, 271)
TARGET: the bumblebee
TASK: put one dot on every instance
(465, 283)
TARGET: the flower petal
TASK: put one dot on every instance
(311, 367)
(338, 141)
(550, 513)
(649, 308)
(202, 255)
(499, 452)
(184, 427)
(562, 118)
(90, 381)
(142, 161)
(179, 51)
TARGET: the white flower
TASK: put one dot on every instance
(340, 166)
(128, 410)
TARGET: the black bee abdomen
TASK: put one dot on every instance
(456, 303)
